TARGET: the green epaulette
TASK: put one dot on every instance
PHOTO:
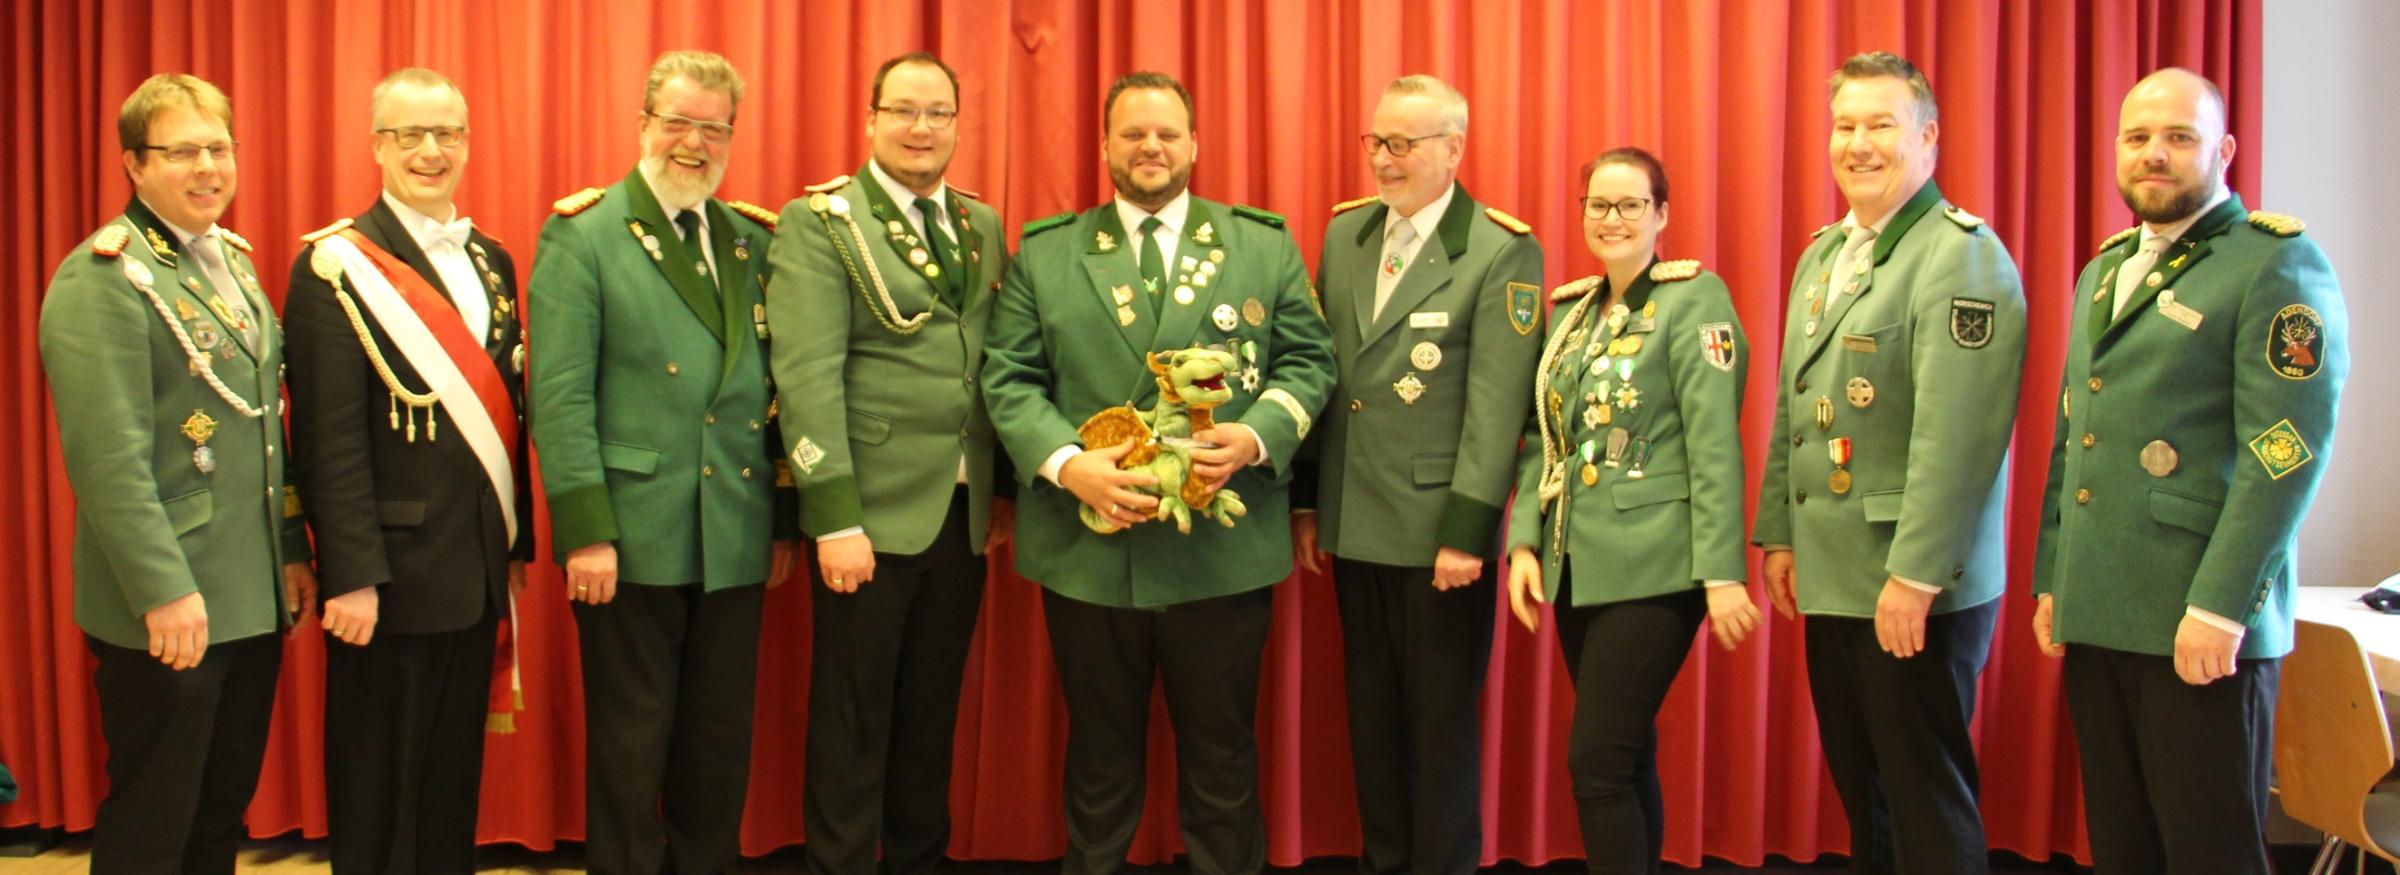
(1966, 220)
(1044, 224)
(1271, 220)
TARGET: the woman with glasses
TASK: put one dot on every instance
(1629, 497)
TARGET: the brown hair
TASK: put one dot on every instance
(1871, 65)
(1637, 158)
(1149, 79)
(875, 94)
(157, 94)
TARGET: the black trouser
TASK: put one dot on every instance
(883, 706)
(404, 723)
(1896, 741)
(1623, 657)
(2174, 776)
(1207, 653)
(668, 677)
(184, 749)
(1414, 660)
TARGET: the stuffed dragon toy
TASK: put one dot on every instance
(1191, 383)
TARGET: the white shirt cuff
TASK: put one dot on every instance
(844, 533)
(1262, 445)
(1713, 584)
(1058, 459)
(1920, 587)
(2228, 626)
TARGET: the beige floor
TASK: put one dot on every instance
(292, 856)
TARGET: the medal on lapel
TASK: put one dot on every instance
(1838, 450)
(199, 427)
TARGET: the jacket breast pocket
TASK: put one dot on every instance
(400, 512)
(189, 511)
(867, 428)
(1873, 346)
(1652, 489)
(628, 458)
(1433, 469)
(2195, 515)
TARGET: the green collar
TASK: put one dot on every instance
(1916, 208)
(1456, 221)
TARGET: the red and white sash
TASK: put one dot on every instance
(430, 335)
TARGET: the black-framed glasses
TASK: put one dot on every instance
(186, 153)
(937, 118)
(677, 126)
(445, 136)
(1399, 147)
(1629, 209)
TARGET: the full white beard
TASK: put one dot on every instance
(667, 182)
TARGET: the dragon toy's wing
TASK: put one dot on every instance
(1117, 425)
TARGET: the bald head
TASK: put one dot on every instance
(2172, 148)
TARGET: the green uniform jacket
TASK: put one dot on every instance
(1936, 330)
(2186, 456)
(150, 526)
(887, 415)
(1667, 514)
(650, 390)
(1418, 446)
(1057, 354)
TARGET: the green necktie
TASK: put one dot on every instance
(688, 224)
(1154, 263)
(945, 253)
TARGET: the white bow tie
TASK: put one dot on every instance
(453, 232)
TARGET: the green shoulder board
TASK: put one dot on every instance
(1044, 224)
(1271, 220)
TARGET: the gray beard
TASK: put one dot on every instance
(675, 194)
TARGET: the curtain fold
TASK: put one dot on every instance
(1729, 93)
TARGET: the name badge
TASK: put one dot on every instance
(1858, 343)
(2176, 310)
(1436, 319)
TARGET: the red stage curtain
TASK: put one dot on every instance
(1729, 92)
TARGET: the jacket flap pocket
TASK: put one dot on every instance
(1651, 489)
(1881, 507)
(2184, 512)
(1433, 469)
(189, 511)
(627, 457)
(400, 512)
(867, 428)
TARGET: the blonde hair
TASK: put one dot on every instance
(1452, 103)
(159, 93)
(417, 76)
(708, 70)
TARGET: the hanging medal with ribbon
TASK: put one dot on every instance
(1838, 449)
(200, 427)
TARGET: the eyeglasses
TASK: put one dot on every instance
(676, 126)
(186, 153)
(936, 118)
(445, 136)
(1629, 209)
(1399, 147)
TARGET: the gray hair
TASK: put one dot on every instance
(1872, 65)
(417, 76)
(708, 70)
(1452, 103)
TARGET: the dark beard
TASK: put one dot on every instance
(2174, 208)
(1149, 199)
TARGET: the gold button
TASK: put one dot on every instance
(753, 425)
(708, 471)
(2088, 440)
(2094, 383)
(745, 473)
(672, 370)
(1357, 405)
(711, 419)
(2083, 496)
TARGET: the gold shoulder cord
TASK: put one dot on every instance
(886, 310)
(329, 268)
(1554, 433)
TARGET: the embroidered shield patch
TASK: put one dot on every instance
(1716, 344)
(2296, 342)
(1971, 322)
(806, 455)
(1524, 300)
(2281, 449)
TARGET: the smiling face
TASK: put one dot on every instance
(1620, 242)
(1409, 182)
(426, 177)
(1882, 154)
(2172, 149)
(915, 153)
(190, 195)
(1149, 149)
(685, 170)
